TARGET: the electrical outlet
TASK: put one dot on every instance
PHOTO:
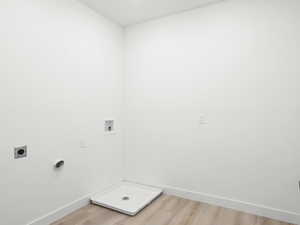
(20, 152)
(202, 120)
(82, 144)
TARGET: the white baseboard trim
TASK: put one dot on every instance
(68, 208)
(260, 210)
(61, 212)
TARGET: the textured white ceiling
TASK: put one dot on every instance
(127, 12)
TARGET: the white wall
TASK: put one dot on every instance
(213, 102)
(60, 77)
(233, 65)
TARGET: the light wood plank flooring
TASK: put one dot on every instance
(167, 210)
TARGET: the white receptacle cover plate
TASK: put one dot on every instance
(139, 197)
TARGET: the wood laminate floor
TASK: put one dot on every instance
(166, 210)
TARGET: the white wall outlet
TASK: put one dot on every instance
(82, 144)
(109, 126)
(202, 120)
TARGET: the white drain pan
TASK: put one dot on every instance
(127, 198)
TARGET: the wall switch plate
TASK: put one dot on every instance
(109, 126)
(20, 152)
